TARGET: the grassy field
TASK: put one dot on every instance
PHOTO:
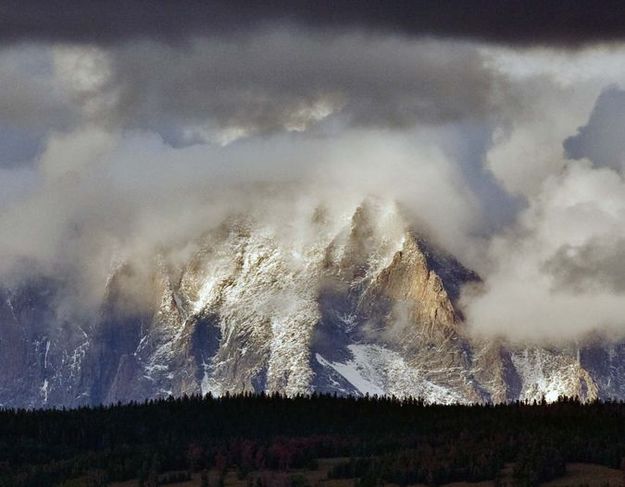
(577, 475)
(592, 475)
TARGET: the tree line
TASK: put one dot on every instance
(383, 439)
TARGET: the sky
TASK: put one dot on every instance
(130, 126)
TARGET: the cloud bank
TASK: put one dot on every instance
(555, 274)
(516, 22)
(280, 80)
(120, 140)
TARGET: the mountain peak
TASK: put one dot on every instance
(360, 305)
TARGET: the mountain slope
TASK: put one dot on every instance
(358, 304)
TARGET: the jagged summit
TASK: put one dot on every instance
(352, 303)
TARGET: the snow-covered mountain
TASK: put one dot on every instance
(354, 304)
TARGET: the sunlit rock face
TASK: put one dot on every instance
(354, 303)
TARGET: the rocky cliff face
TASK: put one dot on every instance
(361, 304)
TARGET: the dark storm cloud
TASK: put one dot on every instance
(520, 22)
(285, 79)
